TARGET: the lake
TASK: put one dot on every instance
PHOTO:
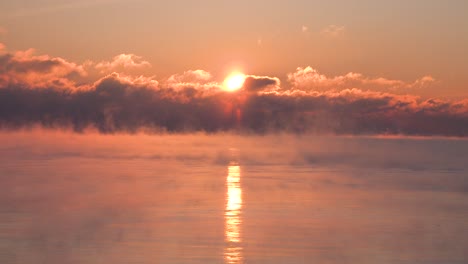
(226, 198)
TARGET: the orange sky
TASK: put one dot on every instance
(397, 40)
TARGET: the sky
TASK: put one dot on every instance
(413, 53)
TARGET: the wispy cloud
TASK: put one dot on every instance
(333, 30)
(123, 62)
(200, 80)
(191, 76)
(310, 79)
(54, 8)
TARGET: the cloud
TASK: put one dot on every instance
(123, 62)
(132, 82)
(304, 29)
(122, 104)
(333, 30)
(310, 79)
(25, 68)
(196, 80)
(254, 83)
(190, 76)
(50, 92)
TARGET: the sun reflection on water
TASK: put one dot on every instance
(233, 221)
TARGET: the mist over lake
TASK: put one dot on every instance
(227, 198)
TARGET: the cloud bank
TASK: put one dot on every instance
(310, 79)
(55, 93)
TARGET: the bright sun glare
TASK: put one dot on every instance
(234, 82)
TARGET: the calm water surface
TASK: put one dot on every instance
(59, 205)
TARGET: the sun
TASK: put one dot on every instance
(234, 82)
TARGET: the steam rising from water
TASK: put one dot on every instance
(88, 198)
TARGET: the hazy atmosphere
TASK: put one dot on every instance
(70, 198)
(233, 131)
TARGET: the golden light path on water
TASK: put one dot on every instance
(233, 221)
